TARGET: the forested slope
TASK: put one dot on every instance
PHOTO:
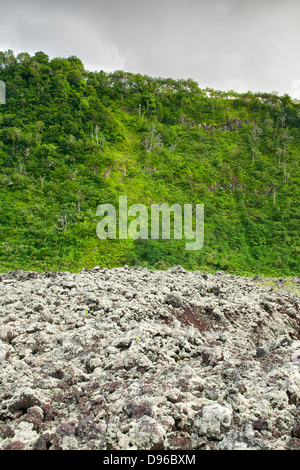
(71, 140)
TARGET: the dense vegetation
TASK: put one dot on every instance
(71, 139)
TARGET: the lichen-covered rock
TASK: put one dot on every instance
(146, 434)
(140, 359)
(3, 352)
(212, 421)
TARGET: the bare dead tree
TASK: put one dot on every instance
(172, 148)
(97, 133)
(286, 140)
(255, 133)
(279, 153)
(63, 223)
(152, 141)
(274, 195)
(73, 175)
(27, 152)
(80, 200)
(284, 172)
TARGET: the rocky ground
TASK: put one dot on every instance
(140, 359)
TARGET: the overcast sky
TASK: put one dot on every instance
(222, 44)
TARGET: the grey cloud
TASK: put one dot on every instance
(239, 44)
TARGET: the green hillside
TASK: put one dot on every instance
(71, 140)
